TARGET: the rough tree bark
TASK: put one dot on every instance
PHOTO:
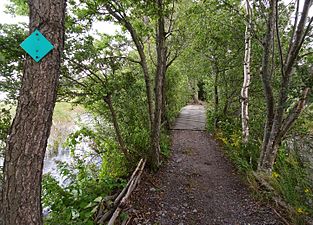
(30, 130)
(246, 79)
(281, 121)
(154, 155)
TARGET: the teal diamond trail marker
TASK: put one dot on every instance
(36, 45)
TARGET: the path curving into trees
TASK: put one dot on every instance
(198, 185)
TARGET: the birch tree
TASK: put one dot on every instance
(246, 79)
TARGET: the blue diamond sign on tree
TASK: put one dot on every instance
(36, 45)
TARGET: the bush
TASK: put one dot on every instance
(290, 179)
(85, 180)
(77, 200)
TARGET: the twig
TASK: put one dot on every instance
(126, 221)
(119, 197)
(281, 217)
(106, 216)
(131, 187)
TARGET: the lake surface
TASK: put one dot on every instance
(57, 152)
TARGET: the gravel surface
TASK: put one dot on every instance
(198, 185)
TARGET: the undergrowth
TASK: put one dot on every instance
(289, 177)
(84, 182)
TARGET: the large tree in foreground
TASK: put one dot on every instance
(30, 130)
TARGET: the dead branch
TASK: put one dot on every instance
(133, 183)
(121, 199)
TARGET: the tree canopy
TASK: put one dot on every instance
(248, 62)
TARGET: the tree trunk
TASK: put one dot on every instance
(154, 156)
(278, 133)
(279, 125)
(216, 96)
(145, 70)
(143, 60)
(108, 101)
(246, 79)
(164, 119)
(30, 130)
(266, 78)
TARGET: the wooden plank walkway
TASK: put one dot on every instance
(191, 117)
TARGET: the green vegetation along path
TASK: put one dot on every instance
(198, 185)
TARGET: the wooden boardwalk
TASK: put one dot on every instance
(191, 117)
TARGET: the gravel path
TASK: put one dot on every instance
(198, 185)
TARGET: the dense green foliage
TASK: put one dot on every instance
(85, 181)
(11, 58)
(214, 57)
(103, 74)
(5, 121)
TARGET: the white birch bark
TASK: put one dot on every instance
(246, 79)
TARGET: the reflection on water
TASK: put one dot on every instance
(57, 152)
(82, 151)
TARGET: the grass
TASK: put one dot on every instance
(63, 111)
(290, 179)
